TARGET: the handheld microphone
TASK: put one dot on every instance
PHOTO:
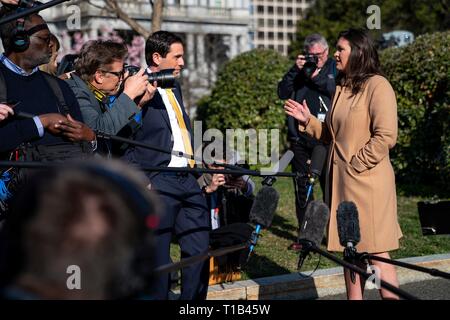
(348, 231)
(280, 166)
(262, 212)
(312, 228)
(318, 158)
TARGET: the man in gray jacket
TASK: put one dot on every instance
(97, 82)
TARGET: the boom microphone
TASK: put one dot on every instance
(348, 224)
(312, 228)
(348, 231)
(262, 212)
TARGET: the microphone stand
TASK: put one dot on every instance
(310, 246)
(432, 271)
(40, 165)
(106, 136)
(30, 11)
(199, 258)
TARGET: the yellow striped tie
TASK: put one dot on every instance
(182, 124)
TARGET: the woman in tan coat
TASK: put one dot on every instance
(361, 128)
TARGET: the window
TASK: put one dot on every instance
(290, 36)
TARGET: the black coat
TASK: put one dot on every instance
(295, 85)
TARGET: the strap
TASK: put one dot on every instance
(54, 85)
(3, 95)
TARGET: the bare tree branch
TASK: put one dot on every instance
(112, 7)
(127, 19)
(97, 6)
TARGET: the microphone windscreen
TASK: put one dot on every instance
(264, 206)
(318, 157)
(315, 221)
(348, 223)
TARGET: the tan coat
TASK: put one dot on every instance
(361, 130)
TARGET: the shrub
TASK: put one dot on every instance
(419, 74)
(245, 94)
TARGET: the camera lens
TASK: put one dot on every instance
(164, 78)
(311, 65)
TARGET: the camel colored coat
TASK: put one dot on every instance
(361, 130)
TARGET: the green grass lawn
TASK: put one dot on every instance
(271, 256)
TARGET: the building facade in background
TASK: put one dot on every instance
(214, 31)
(274, 22)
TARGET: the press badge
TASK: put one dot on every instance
(321, 117)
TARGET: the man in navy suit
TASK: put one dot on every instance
(166, 124)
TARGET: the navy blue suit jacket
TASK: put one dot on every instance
(155, 131)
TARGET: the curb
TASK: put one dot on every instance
(325, 282)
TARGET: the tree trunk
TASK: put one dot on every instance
(157, 14)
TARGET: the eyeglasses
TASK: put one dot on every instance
(44, 39)
(118, 74)
(319, 54)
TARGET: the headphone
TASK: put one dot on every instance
(133, 276)
(20, 38)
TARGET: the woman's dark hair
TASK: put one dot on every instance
(97, 54)
(363, 62)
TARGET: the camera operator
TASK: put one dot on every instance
(97, 83)
(312, 78)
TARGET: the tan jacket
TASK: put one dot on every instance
(361, 130)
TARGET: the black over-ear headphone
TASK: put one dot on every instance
(135, 275)
(20, 38)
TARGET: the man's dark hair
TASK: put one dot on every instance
(160, 42)
(96, 54)
(7, 29)
(363, 62)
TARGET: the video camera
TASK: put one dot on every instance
(164, 78)
(310, 65)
